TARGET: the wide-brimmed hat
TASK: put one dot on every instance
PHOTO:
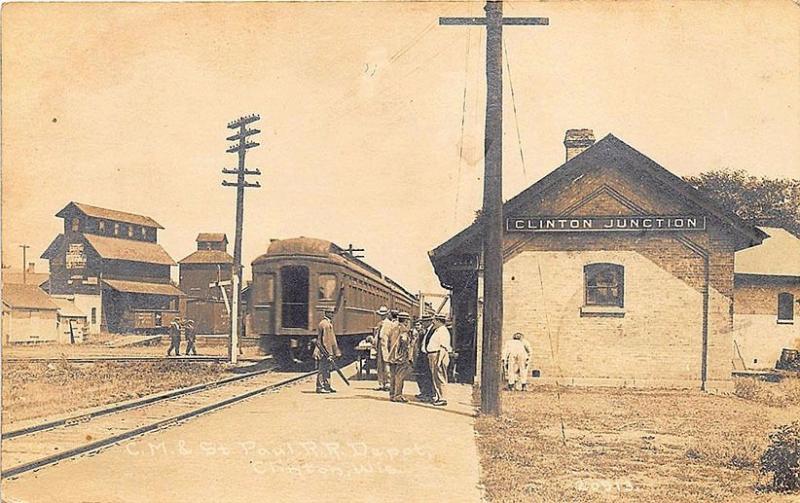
(394, 312)
(404, 315)
(383, 310)
(440, 317)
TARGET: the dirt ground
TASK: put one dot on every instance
(32, 389)
(610, 444)
(99, 348)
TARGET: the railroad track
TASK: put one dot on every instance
(143, 358)
(31, 448)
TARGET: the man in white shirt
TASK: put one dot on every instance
(439, 349)
(382, 348)
(516, 356)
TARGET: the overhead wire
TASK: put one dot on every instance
(516, 115)
(554, 359)
(463, 116)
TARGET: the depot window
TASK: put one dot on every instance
(327, 287)
(785, 307)
(604, 284)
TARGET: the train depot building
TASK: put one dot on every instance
(110, 264)
(205, 278)
(615, 270)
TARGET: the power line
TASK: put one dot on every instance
(461, 142)
(516, 115)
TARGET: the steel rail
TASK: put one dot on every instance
(99, 444)
(69, 421)
(96, 359)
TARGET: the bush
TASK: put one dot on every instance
(782, 457)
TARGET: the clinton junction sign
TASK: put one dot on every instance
(606, 223)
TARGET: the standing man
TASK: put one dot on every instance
(382, 348)
(326, 338)
(439, 350)
(175, 331)
(191, 338)
(421, 366)
(400, 356)
(515, 357)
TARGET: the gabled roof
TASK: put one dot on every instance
(143, 287)
(53, 247)
(67, 307)
(129, 249)
(612, 149)
(27, 297)
(108, 214)
(15, 276)
(214, 237)
(778, 255)
(208, 257)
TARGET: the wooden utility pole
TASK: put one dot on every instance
(24, 263)
(492, 214)
(241, 149)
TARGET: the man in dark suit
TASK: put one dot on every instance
(326, 338)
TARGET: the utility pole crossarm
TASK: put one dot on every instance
(243, 145)
(243, 134)
(254, 171)
(481, 21)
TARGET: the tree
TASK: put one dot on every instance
(772, 202)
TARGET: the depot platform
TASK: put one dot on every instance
(290, 445)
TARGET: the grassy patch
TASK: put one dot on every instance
(609, 444)
(32, 390)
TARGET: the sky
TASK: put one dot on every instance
(371, 113)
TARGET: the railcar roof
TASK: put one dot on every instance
(306, 246)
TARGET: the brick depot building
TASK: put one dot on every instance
(616, 271)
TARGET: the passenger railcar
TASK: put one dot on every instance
(296, 279)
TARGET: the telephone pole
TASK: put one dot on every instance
(492, 214)
(241, 147)
(24, 263)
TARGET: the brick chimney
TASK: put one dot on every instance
(577, 140)
(31, 269)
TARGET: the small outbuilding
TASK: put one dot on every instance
(766, 298)
(29, 314)
(73, 324)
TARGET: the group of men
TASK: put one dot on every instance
(424, 347)
(400, 347)
(182, 329)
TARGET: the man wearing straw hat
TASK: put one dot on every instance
(439, 349)
(382, 348)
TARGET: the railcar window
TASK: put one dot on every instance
(327, 287)
(264, 291)
(604, 284)
(294, 297)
